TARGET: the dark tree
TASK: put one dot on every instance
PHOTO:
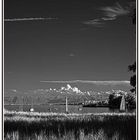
(133, 66)
(114, 101)
(134, 16)
(130, 101)
(133, 78)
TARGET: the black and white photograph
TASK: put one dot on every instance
(70, 69)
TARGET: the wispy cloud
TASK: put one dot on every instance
(29, 19)
(73, 81)
(95, 22)
(109, 13)
(108, 18)
(89, 82)
(115, 11)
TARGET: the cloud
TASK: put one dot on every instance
(28, 19)
(95, 22)
(108, 18)
(109, 13)
(105, 82)
(114, 11)
(74, 81)
(90, 82)
(71, 55)
(14, 90)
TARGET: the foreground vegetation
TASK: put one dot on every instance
(51, 126)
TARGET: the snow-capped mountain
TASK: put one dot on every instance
(69, 89)
(57, 95)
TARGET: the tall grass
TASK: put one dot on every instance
(51, 126)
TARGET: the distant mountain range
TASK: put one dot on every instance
(76, 92)
(85, 85)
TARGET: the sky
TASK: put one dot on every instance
(64, 40)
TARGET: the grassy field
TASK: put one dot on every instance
(60, 126)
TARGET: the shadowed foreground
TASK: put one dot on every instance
(57, 126)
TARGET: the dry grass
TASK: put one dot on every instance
(99, 126)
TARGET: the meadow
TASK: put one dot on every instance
(61, 126)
